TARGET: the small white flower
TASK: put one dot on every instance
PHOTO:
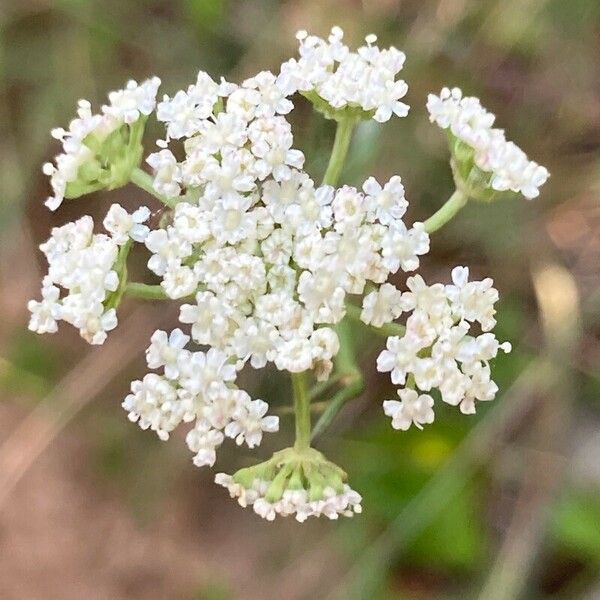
(168, 248)
(185, 112)
(209, 318)
(412, 409)
(46, 312)
(385, 204)
(164, 351)
(348, 207)
(153, 405)
(322, 295)
(428, 373)
(472, 301)
(206, 373)
(273, 100)
(179, 281)
(203, 441)
(128, 104)
(401, 247)
(167, 173)
(249, 422)
(191, 223)
(123, 226)
(255, 340)
(382, 306)
(228, 180)
(389, 101)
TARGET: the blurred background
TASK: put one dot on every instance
(501, 505)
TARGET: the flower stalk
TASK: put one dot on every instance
(144, 181)
(145, 291)
(351, 378)
(301, 410)
(341, 145)
(446, 211)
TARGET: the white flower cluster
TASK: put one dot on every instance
(234, 137)
(268, 284)
(196, 387)
(468, 121)
(268, 257)
(83, 264)
(264, 260)
(126, 106)
(296, 502)
(365, 79)
(436, 350)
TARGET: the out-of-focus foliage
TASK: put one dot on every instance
(118, 514)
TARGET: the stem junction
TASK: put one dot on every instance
(144, 181)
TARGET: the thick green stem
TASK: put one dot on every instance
(350, 377)
(301, 410)
(341, 144)
(144, 181)
(146, 292)
(446, 212)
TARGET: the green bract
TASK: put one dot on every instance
(470, 180)
(294, 469)
(351, 112)
(114, 158)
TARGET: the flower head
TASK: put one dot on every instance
(81, 280)
(344, 83)
(264, 262)
(500, 165)
(295, 484)
(436, 350)
(100, 150)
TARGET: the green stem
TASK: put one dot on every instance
(144, 181)
(341, 144)
(351, 379)
(301, 410)
(446, 212)
(120, 267)
(146, 292)
(387, 330)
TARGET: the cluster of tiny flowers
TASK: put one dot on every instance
(299, 483)
(296, 502)
(365, 79)
(82, 274)
(125, 106)
(469, 122)
(264, 262)
(437, 351)
(196, 387)
(267, 256)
